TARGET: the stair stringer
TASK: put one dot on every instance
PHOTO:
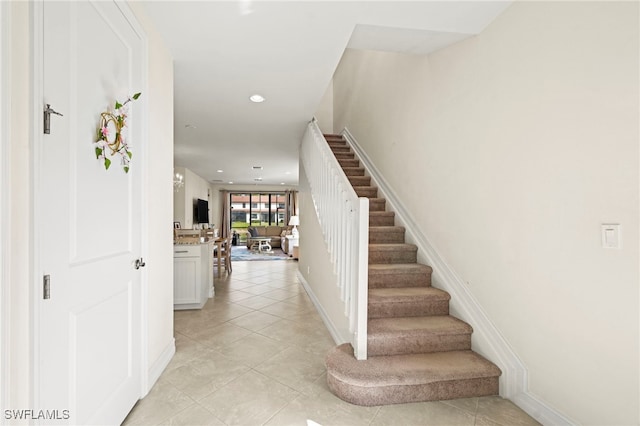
(487, 339)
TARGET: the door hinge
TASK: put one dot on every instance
(47, 118)
(46, 287)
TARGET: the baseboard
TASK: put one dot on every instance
(160, 364)
(514, 379)
(335, 335)
(540, 410)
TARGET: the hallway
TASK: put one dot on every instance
(255, 355)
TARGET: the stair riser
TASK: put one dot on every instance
(387, 344)
(399, 280)
(346, 162)
(396, 256)
(434, 391)
(415, 308)
(359, 180)
(353, 171)
(375, 220)
(366, 191)
(388, 237)
(345, 155)
(340, 149)
(377, 205)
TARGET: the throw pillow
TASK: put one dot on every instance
(253, 232)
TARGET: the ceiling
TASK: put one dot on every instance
(287, 51)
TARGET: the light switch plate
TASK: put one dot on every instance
(611, 237)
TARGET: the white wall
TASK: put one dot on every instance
(510, 150)
(324, 113)
(315, 265)
(194, 187)
(159, 246)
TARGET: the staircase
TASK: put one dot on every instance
(416, 350)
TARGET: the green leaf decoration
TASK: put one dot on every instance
(130, 154)
(126, 169)
(118, 105)
(136, 96)
(98, 152)
(107, 163)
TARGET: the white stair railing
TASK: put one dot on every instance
(344, 220)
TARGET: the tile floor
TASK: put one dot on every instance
(254, 355)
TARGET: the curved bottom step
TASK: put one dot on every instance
(399, 379)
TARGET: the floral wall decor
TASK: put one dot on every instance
(110, 135)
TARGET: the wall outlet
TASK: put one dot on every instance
(611, 237)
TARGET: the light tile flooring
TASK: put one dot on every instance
(254, 355)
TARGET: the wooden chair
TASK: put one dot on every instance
(225, 255)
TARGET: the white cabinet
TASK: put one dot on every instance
(192, 275)
(291, 245)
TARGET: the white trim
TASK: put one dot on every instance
(325, 318)
(5, 197)
(143, 164)
(35, 140)
(541, 410)
(159, 366)
(514, 380)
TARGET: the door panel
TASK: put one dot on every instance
(90, 329)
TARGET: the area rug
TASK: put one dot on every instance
(240, 253)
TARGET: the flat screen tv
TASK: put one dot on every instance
(201, 211)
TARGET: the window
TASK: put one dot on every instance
(256, 209)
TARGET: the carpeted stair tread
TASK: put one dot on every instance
(386, 234)
(359, 180)
(409, 378)
(366, 191)
(399, 275)
(336, 148)
(394, 302)
(353, 171)
(377, 205)
(436, 325)
(348, 162)
(411, 335)
(378, 295)
(380, 218)
(392, 253)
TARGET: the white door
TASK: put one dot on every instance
(88, 219)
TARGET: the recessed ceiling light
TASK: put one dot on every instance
(287, 173)
(257, 98)
(220, 171)
(281, 183)
(258, 179)
(231, 183)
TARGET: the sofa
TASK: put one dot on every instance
(273, 232)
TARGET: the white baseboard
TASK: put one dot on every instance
(325, 318)
(159, 365)
(514, 382)
(540, 410)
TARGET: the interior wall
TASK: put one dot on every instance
(159, 246)
(324, 113)
(315, 265)
(510, 150)
(194, 188)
